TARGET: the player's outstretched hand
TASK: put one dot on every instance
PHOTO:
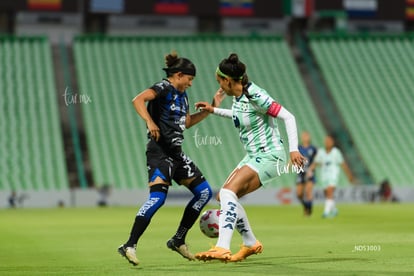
(204, 106)
(218, 97)
(297, 159)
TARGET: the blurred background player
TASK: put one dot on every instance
(167, 116)
(304, 184)
(254, 113)
(330, 160)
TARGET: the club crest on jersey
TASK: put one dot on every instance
(181, 122)
(244, 107)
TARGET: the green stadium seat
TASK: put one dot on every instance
(369, 79)
(31, 148)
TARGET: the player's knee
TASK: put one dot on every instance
(229, 194)
(202, 193)
(157, 196)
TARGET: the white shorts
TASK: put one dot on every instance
(329, 182)
(267, 166)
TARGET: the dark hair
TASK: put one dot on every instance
(175, 64)
(332, 136)
(235, 69)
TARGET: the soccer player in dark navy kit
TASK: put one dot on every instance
(304, 184)
(165, 109)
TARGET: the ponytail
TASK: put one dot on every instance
(175, 64)
(234, 69)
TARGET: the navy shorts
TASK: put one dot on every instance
(302, 179)
(167, 166)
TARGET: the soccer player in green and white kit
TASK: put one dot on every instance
(330, 160)
(254, 113)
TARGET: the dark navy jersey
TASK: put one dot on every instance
(168, 110)
(309, 153)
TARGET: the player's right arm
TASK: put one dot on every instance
(315, 162)
(214, 106)
(348, 172)
(139, 103)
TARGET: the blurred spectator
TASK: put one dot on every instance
(385, 192)
(61, 204)
(13, 199)
(104, 192)
(16, 200)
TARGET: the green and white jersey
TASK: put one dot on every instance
(258, 131)
(330, 165)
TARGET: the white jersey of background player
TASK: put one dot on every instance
(330, 160)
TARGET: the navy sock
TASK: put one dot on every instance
(308, 206)
(156, 199)
(138, 228)
(202, 195)
(301, 201)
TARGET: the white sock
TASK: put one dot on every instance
(228, 217)
(329, 205)
(243, 227)
(333, 207)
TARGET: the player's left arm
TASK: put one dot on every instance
(348, 172)
(315, 162)
(277, 110)
(205, 109)
(195, 118)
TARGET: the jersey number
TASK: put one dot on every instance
(189, 172)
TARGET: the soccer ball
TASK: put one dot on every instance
(209, 223)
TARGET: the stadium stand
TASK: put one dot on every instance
(32, 156)
(370, 78)
(112, 70)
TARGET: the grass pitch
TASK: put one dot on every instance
(363, 240)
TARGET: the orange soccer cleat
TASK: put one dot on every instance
(246, 251)
(215, 253)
